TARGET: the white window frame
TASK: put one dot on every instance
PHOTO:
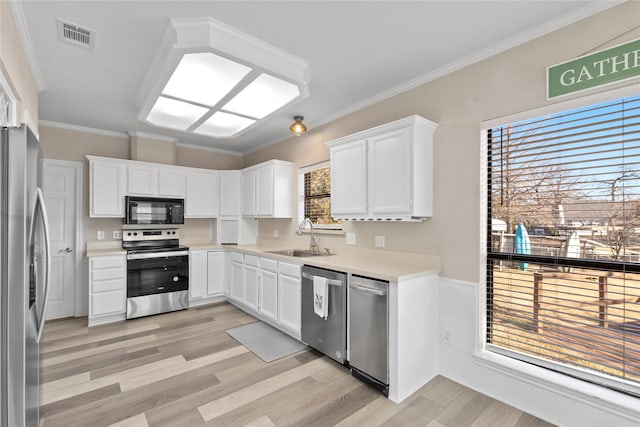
(329, 228)
(483, 353)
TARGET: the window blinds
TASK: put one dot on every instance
(317, 196)
(563, 242)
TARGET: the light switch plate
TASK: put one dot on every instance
(275, 233)
(117, 234)
(100, 235)
(379, 241)
(351, 238)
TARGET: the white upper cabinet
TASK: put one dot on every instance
(142, 180)
(107, 183)
(171, 182)
(201, 195)
(384, 173)
(349, 179)
(390, 173)
(230, 190)
(267, 190)
(155, 181)
(249, 192)
(261, 191)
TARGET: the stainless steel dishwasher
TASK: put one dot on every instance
(369, 331)
(329, 336)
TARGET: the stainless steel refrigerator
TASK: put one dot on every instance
(25, 272)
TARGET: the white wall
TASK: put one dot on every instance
(542, 393)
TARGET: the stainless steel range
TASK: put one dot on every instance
(157, 272)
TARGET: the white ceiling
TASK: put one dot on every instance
(358, 51)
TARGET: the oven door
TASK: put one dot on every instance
(156, 273)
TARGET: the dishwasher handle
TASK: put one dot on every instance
(374, 291)
(329, 281)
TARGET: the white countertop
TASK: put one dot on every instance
(378, 264)
(363, 262)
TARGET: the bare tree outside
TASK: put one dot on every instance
(528, 187)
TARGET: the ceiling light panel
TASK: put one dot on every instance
(262, 97)
(174, 114)
(222, 124)
(210, 79)
(204, 78)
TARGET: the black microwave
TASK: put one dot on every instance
(153, 210)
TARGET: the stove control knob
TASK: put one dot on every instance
(175, 278)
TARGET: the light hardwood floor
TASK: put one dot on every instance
(182, 369)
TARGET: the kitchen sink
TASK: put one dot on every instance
(298, 253)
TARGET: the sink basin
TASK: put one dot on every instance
(297, 253)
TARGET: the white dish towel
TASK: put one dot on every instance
(320, 296)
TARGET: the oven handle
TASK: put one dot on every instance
(166, 254)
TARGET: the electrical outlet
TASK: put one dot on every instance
(379, 242)
(117, 234)
(275, 233)
(446, 336)
(351, 238)
(100, 235)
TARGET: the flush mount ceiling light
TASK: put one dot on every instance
(214, 80)
(298, 128)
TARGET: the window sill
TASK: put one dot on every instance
(582, 391)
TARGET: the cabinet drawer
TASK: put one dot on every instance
(251, 260)
(235, 256)
(107, 303)
(268, 264)
(107, 262)
(287, 269)
(107, 285)
(107, 274)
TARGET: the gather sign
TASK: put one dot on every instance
(596, 69)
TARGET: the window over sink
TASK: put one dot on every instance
(314, 197)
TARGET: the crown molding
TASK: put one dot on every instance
(518, 39)
(149, 135)
(215, 150)
(27, 46)
(555, 24)
(83, 129)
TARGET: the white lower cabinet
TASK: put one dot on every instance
(107, 288)
(206, 276)
(236, 277)
(215, 273)
(289, 297)
(269, 289)
(251, 282)
(197, 274)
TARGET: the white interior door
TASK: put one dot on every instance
(60, 194)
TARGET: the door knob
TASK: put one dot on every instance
(67, 250)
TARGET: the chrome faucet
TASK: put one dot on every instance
(313, 243)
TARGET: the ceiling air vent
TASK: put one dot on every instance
(75, 35)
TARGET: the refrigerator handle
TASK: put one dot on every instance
(39, 204)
